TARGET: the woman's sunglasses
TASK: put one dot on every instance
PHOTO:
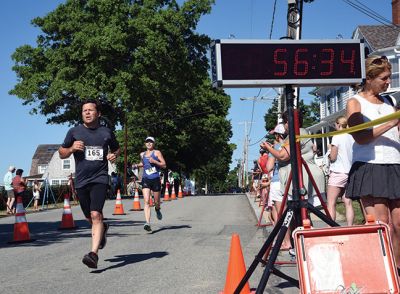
(379, 60)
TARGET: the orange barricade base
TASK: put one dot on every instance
(340, 259)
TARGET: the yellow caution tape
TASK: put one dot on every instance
(356, 128)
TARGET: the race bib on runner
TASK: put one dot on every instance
(151, 170)
(93, 153)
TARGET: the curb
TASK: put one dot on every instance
(341, 219)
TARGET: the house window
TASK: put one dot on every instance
(66, 164)
(330, 101)
(340, 98)
(42, 169)
(64, 182)
(55, 182)
(333, 100)
(395, 73)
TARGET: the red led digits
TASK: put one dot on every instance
(328, 56)
(350, 61)
(300, 65)
(294, 62)
(282, 62)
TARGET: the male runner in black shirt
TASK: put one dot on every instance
(93, 146)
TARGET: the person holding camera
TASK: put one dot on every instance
(273, 165)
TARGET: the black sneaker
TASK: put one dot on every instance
(147, 227)
(158, 212)
(90, 259)
(103, 241)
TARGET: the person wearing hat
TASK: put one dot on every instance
(9, 188)
(152, 162)
(273, 165)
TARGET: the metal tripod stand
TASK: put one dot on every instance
(47, 191)
(296, 210)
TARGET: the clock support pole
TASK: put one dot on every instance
(295, 212)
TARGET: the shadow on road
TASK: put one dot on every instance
(47, 233)
(171, 228)
(124, 260)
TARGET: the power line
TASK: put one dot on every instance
(369, 12)
(273, 20)
(257, 141)
(373, 12)
(251, 18)
(252, 110)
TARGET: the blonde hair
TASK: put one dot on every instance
(374, 66)
(342, 121)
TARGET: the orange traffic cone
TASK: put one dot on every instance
(236, 268)
(166, 195)
(21, 228)
(173, 195)
(180, 194)
(67, 221)
(119, 207)
(136, 202)
(151, 202)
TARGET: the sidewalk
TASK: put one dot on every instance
(340, 219)
(284, 262)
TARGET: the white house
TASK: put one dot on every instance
(379, 40)
(46, 163)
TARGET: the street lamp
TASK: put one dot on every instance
(263, 99)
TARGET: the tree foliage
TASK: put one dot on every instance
(311, 114)
(146, 63)
(271, 116)
(216, 173)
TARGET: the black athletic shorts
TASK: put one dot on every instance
(92, 198)
(152, 184)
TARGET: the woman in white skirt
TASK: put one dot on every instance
(375, 173)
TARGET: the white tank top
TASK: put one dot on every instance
(384, 149)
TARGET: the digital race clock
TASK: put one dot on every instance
(257, 63)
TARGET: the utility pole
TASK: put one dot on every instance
(295, 8)
(245, 153)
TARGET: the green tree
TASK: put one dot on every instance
(146, 63)
(271, 116)
(311, 114)
(216, 172)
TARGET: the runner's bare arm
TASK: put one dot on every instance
(66, 152)
(140, 164)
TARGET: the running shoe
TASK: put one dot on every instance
(158, 212)
(90, 259)
(147, 227)
(103, 241)
(292, 252)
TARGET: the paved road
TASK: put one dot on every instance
(187, 252)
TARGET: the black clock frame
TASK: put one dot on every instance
(274, 63)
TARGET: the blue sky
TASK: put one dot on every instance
(243, 19)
